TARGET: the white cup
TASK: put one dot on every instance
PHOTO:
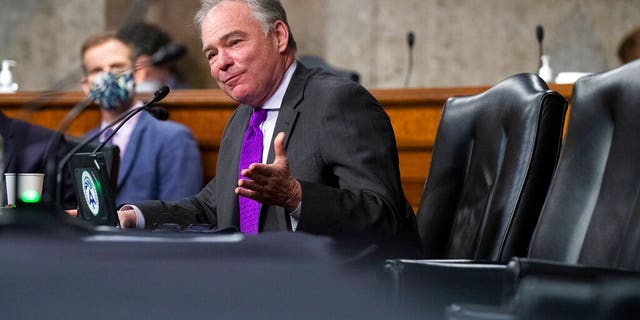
(29, 186)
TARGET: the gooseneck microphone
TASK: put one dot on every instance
(411, 39)
(540, 37)
(158, 112)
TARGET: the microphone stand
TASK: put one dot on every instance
(410, 41)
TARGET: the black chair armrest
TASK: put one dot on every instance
(425, 287)
(520, 268)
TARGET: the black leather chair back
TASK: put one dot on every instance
(589, 217)
(492, 162)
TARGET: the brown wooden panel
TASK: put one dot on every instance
(413, 126)
(414, 164)
(206, 126)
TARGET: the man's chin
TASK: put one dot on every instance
(237, 94)
(240, 94)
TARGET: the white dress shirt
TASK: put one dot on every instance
(123, 135)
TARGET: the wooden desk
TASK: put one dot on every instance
(414, 114)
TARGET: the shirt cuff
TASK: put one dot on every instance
(139, 217)
(295, 217)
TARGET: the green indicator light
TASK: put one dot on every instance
(30, 196)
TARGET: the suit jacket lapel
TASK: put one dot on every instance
(279, 218)
(133, 147)
(288, 110)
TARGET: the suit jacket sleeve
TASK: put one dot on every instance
(359, 192)
(198, 209)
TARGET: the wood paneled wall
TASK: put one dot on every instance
(414, 114)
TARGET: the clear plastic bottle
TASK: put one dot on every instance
(6, 77)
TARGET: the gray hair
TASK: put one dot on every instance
(266, 12)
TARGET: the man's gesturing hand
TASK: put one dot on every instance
(272, 184)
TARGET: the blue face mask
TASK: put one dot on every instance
(112, 92)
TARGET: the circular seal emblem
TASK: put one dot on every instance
(90, 193)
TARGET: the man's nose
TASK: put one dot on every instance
(224, 60)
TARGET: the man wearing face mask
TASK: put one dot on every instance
(158, 159)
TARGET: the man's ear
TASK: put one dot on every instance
(281, 33)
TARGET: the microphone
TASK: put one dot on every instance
(167, 53)
(540, 37)
(157, 96)
(411, 38)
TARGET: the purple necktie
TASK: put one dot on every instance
(251, 153)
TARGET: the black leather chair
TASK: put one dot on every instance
(589, 227)
(492, 162)
(493, 159)
(588, 216)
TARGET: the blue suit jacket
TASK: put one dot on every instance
(161, 162)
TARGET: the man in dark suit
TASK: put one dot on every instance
(329, 160)
(27, 148)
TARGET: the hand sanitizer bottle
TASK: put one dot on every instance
(6, 78)
(545, 71)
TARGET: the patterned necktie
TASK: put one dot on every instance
(251, 153)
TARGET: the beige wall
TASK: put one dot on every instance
(458, 42)
(42, 36)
